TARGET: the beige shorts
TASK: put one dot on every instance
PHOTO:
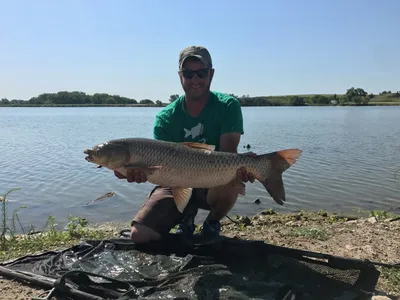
(159, 211)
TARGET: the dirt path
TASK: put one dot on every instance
(11, 290)
(368, 238)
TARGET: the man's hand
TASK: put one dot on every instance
(133, 175)
(242, 173)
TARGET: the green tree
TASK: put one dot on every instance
(146, 101)
(320, 99)
(110, 100)
(172, 98)
(357, 96)
(297, 101)
(131, 101)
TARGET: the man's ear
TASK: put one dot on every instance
(211, 74)
(180, 77)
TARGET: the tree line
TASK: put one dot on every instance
(77, 98)
(353, 96)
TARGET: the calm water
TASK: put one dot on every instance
(350, 158)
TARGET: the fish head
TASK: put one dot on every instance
(109, 155)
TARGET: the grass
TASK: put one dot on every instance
(13, 245)
(392, 276)
(384, 103)
(311, 233)
(385, 99)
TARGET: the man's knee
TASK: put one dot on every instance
(143, 234)
(155, 217)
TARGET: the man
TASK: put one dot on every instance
(198, 116)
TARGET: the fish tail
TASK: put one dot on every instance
(270, 170)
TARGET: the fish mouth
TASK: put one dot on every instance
(89, 156)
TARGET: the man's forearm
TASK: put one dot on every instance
(229, 142)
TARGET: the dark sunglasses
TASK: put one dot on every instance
(188, 74)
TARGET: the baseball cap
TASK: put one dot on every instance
(197, 51)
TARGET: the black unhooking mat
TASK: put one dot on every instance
(232, 269)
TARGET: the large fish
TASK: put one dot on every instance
(187, 165)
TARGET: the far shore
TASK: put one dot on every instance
(165, 104)
(352, 97)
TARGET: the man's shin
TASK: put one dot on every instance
(221, 200)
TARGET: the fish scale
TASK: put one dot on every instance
(187, 165)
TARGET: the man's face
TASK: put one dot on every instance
(195, 86)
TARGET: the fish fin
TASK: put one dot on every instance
(289, 156)
(280, 161)
(275, 188)
(99, 166)
(199, 146)
(147, 169)
(181, 197)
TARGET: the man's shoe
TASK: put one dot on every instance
(210, 232)
(187, 227)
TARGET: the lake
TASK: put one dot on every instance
(350, 158)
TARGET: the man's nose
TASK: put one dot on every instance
(195, 78)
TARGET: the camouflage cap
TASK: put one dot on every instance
(196, 51)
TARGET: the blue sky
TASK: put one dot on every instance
(259, 47)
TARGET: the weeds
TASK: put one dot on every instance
(4, 229)
(379, 214)
(392, 276)
(13, 245)
(311, 233)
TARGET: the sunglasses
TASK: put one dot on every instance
(201, 73)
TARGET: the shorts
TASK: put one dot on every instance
(159, 211)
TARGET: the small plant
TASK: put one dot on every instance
(393, 276)
(76, 226)
(333, 218)
(5, 228)
(378, 214)
(50, 224)
(311, 233)
(269, 211)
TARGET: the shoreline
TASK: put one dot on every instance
(375, 237)
(351, 97)
(374, 104)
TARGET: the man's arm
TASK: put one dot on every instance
(231, 131)
(229, 142)
(231, 126)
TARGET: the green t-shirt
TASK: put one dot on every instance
(222, 114)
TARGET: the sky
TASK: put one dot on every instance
(259, 47)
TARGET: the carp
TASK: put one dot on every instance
(187, 165)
